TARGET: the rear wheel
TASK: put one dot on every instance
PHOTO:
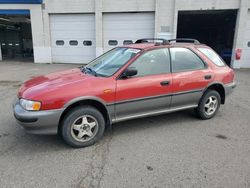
(82, 126)
(209, 104)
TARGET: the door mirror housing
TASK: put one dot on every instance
(129, 72)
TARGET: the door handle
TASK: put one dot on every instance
(165, 83)
(208, 77)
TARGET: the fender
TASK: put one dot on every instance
(213, 83)
(223, 95)
(109, 107)
(72, 101)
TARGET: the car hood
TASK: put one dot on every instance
(52, 82)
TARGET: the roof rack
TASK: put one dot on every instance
(185, 40)
(146, 40)
(165, 41)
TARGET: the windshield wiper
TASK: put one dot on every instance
(91, 71)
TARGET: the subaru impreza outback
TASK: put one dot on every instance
(149, 77)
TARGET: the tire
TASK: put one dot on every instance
(82, 126)
(208, 105)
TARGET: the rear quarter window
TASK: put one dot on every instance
(215, 58)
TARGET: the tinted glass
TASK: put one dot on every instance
(110, 62)
(113, 42)
(153, 62)
(126, 42)
(73, 42)
(59, 42)
(184, 59)
(212, 56)
(87, 43)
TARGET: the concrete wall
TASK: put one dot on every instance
(242, 34)
(245, 62)
(70, 6)
(128, 5)
(206, 4)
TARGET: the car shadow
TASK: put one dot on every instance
(45, 143)
(153, 122)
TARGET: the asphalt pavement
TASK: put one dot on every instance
(174, 150)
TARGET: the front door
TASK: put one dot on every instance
(147, 92)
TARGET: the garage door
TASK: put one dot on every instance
(72, 38)
(124, 28)
(246, 47)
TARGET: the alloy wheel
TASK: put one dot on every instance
(84, 128)
(211, 105)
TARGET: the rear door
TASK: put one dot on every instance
(190, 77)
(150, 90)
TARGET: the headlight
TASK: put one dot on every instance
(30, 105)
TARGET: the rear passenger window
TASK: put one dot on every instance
(152, 62)
(127, 42)
(184, 59)
(87, 43)
(73, 42)
(113, 42)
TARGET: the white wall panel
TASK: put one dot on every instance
(127, 26)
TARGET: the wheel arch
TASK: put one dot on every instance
(91, 101)
(219, 88)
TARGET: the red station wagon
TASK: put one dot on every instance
(150, 77)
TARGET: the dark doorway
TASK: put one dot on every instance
(212, 27)
(15, 37)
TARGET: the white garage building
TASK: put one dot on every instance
(66, 31)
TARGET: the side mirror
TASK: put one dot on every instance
(131, 71)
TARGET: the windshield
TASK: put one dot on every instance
(110, 62)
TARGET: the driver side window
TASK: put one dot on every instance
(152, 62)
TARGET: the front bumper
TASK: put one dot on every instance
(38, 122)
(229, 88)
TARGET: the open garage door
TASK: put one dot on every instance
(72, 38)
(15, 35)
(212, 27)
(125, 28)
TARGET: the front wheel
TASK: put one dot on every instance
(209, 104)
(82, 126)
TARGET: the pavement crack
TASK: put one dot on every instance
(105, 159)
(95, 171)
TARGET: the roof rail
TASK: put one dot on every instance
(185, 40)
(163, 41)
